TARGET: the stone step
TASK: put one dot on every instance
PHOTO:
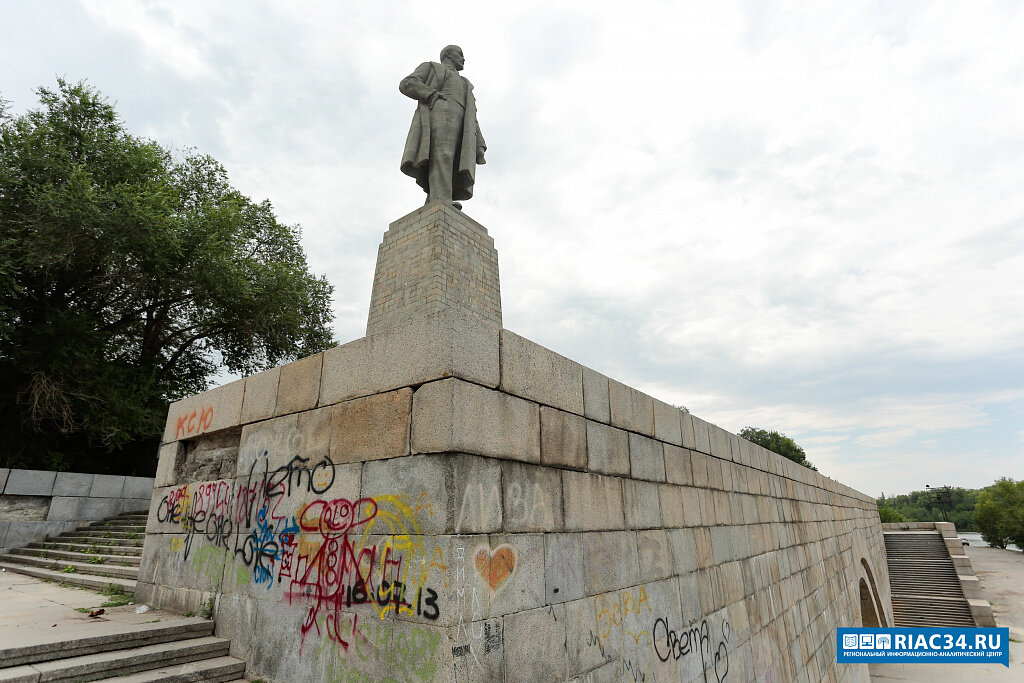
(104, 549)
(131, 560)
(925, 588)
(84, 580)
(76, 537)
(923, 577)
(929, 554)
(103, 532)
(101, 569)
(103, 526)
(131, 523)
(118, 638)
(119, 543)
(216, 669)
(120, 663)
(931, 612)
(923, 569)
(910, 570)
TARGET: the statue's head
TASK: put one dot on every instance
(452, 56)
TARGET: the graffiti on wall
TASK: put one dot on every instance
(495, 566)
(348, 562)
(695, 640)
(332, 553)
(196, 422)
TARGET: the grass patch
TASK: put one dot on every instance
(96, 559)
(83, 610)
(117, 597)
(118, 601)
(206, 611)
(70, 569)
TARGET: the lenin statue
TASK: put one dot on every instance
(444, 144)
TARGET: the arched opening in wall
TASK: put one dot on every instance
(880, 610)
(868, 616)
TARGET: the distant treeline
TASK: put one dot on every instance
(923, 506)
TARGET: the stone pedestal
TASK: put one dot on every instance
(434, 259)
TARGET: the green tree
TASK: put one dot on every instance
(999, 513)
(889, 515)
(127, 278)
(779, 443)
(922, 506)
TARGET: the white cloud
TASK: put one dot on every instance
(161, 39)
(799, 216)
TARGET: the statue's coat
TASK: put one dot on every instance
(419, 85)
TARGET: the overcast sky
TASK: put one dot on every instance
(800, 216)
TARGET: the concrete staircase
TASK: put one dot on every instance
(926, 591)
(106, 554)
(100, 555)
(183, 649)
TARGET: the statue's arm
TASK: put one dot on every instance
(415, 85)
(481, 146)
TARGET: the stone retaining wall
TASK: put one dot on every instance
(449, 501)
(35, 504)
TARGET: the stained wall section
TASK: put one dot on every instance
(449, 501)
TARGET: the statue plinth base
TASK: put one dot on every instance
(433, 259)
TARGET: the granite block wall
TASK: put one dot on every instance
(35, 504)
(448, 501)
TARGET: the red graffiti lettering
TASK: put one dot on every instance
(205, 418)
(180, 431)
(196, 422)
(337, 517)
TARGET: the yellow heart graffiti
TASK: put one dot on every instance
(638, 666)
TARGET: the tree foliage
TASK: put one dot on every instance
(127, 278)
(889, 515)
(922, 506)
(999, 514)
(778, 443)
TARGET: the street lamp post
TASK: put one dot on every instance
(942, 497)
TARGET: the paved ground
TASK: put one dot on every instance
(1002, 583)
(33, 611)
